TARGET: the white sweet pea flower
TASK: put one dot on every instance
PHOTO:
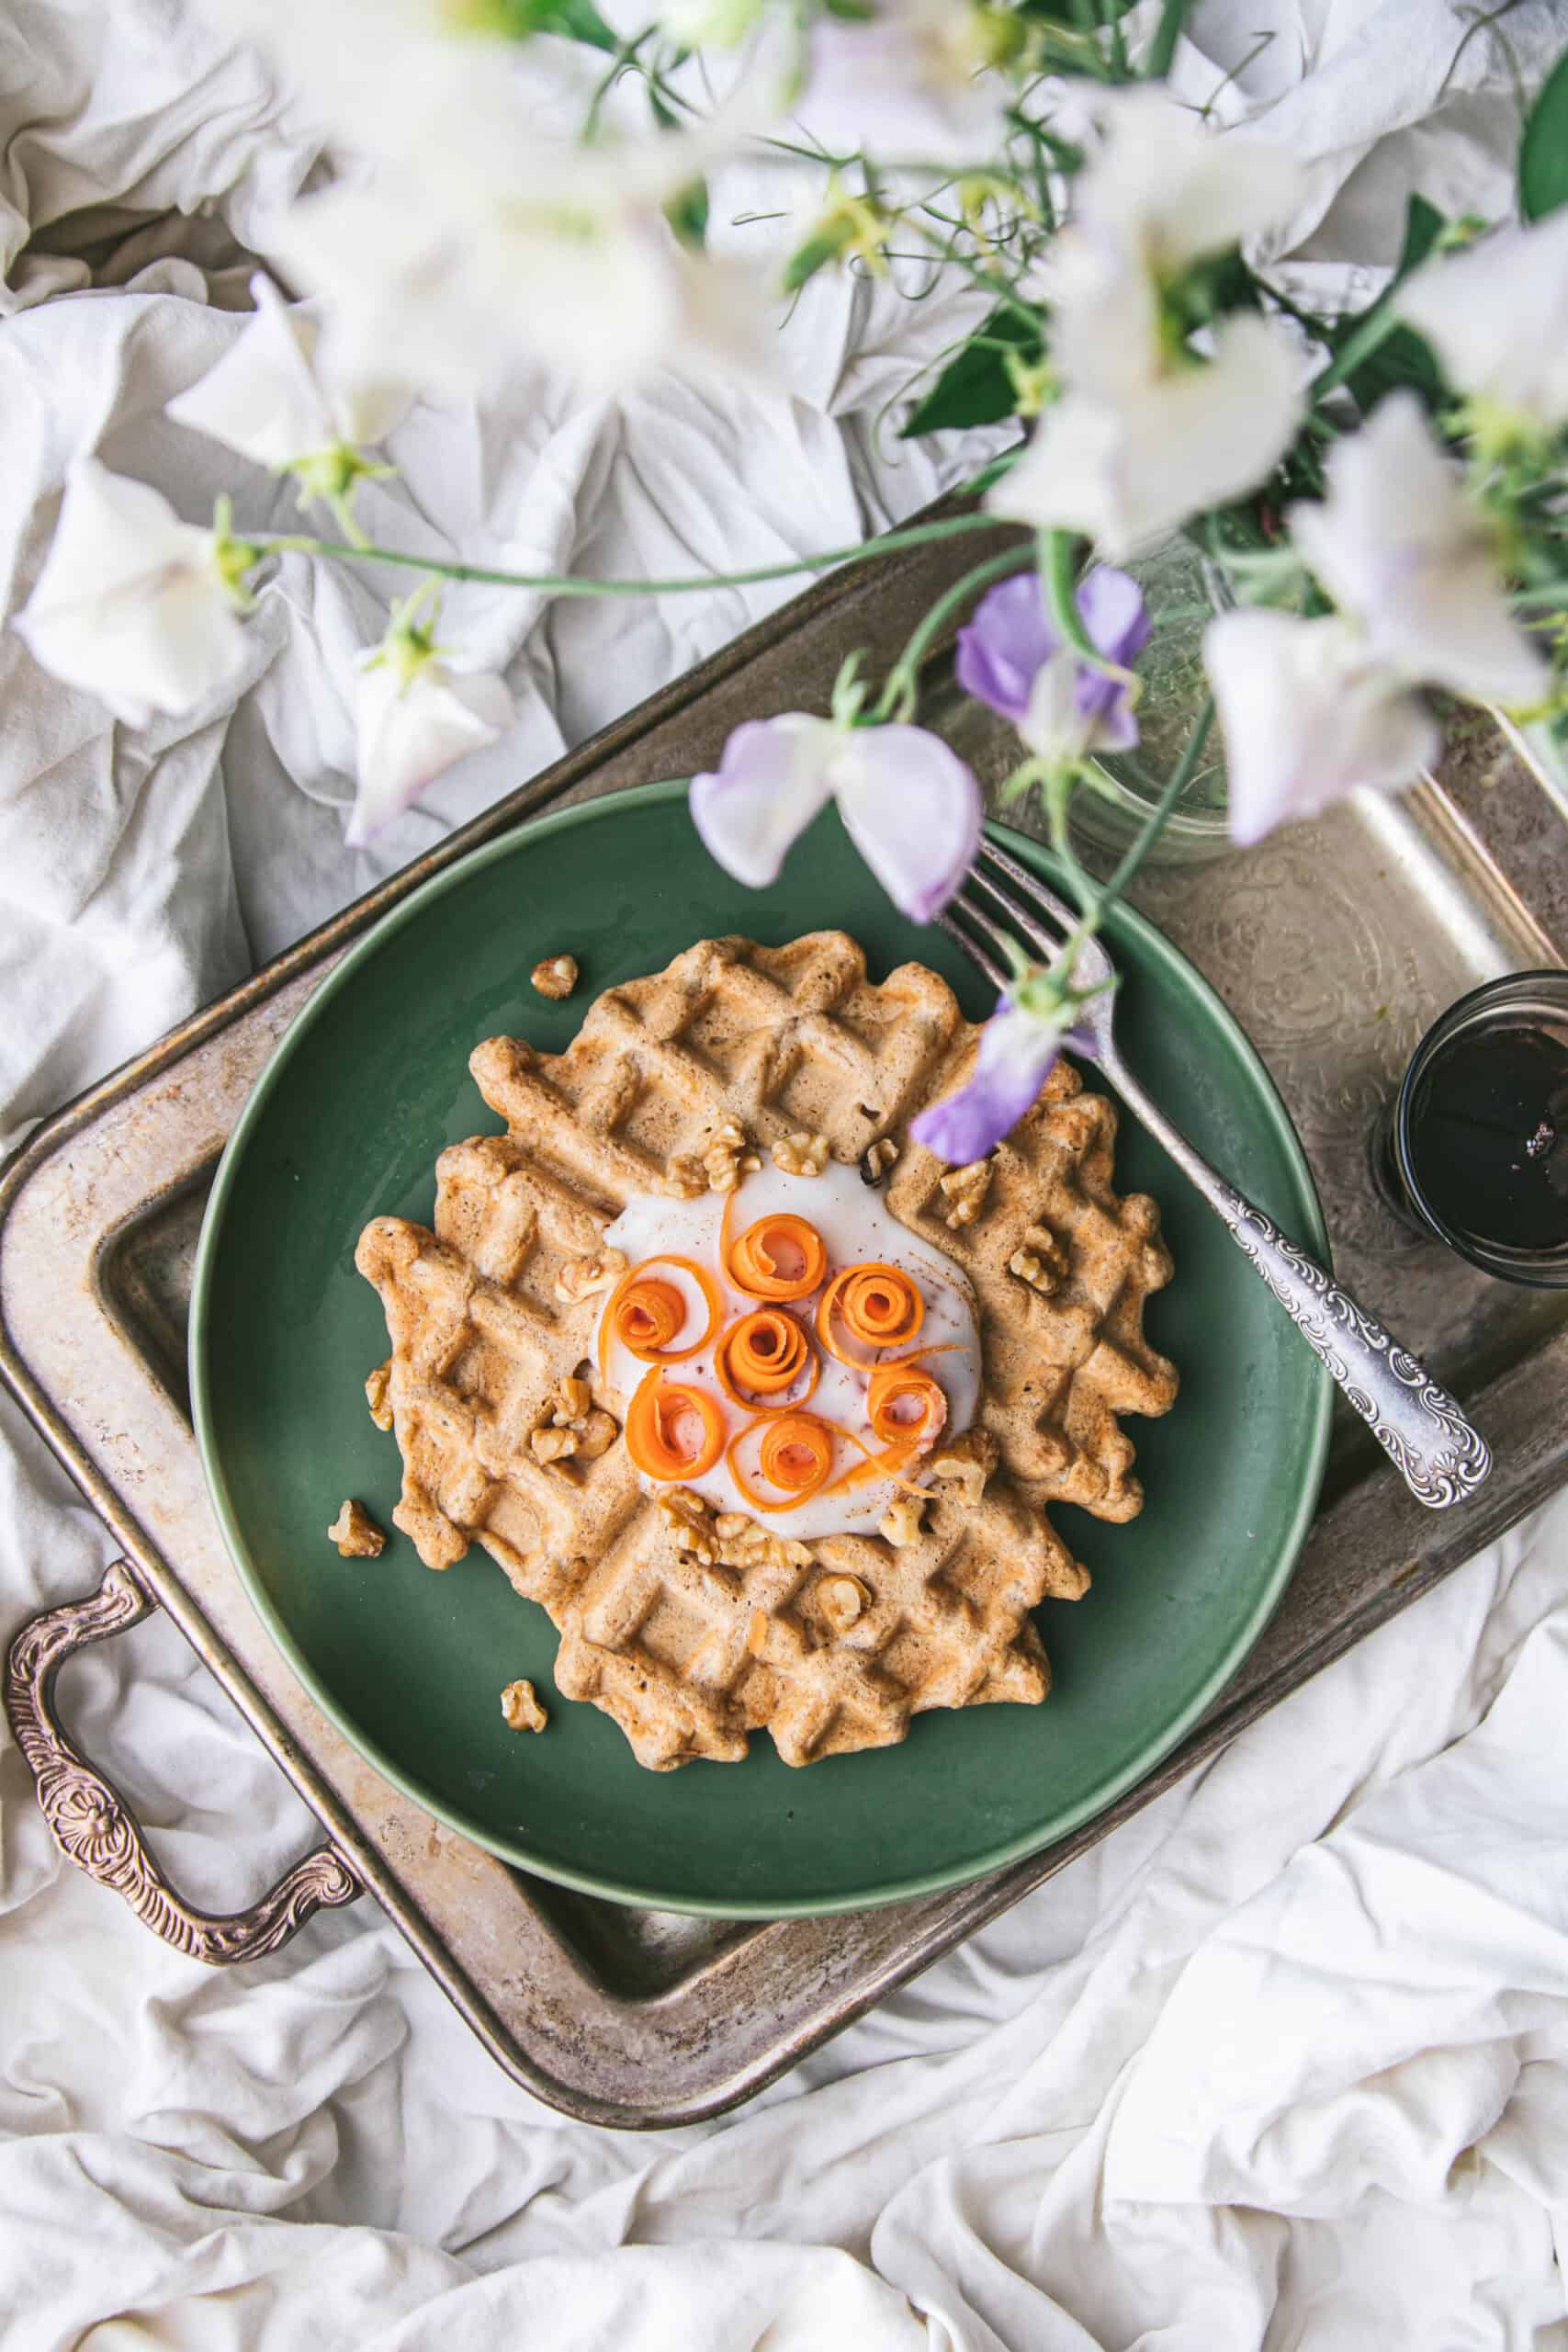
(1497, 318)
(414, 717)
(1401, 549)
(911, 80)
(1145, 432)
(134, 605)
(1127, 468)
(588, 276)
(1164, 189)
(271, 399)
(1309, 713)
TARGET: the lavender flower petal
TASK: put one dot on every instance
(1017, 1050)
(1005, 644)
(774, 777)
(1110, 604)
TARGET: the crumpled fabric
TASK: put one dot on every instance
(1279, 2064)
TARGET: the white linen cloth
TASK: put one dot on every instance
(1285, 2061)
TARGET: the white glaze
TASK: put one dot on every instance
(855, 1225)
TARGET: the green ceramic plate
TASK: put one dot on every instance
(372, 1081)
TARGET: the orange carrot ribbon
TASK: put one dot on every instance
(673, 1431)
(877, 1306)
(763, 1356)
(646, 1314)
(780, 1256)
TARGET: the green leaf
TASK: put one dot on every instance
(687, 213)
(974, 387)
(1080, 17)
(1543, 148)
(1162, 48)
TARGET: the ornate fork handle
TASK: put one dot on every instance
(1440, 1455)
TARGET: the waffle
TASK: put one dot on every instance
(692, 1632)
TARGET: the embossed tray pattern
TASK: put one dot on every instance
(1336, 945)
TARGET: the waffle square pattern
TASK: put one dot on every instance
(693, 1629)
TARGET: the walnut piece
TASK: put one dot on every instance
(842, 1600)
(724, 1158)
(376, 1387)
(570, 1402)
(742, 1543)
(581, 1278)
(968, 1460)
(355, 1533)
(555, 977)
(901, 1525)
(685, 1176)
(876, 1160)
(686, 1516)
(966, 1189)
(1041, 1262)
(801, 1153)
(548, 1446)
(523, 1707)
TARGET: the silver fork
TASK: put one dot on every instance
(1441, 1457)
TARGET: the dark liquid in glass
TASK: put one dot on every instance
(1487, 1134)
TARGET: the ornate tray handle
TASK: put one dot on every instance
(90, 1822)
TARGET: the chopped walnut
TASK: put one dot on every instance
(968, 1460)
(801, 1153)
(685, 1176)
(596, 1434)
(355, 1533)
(722, 1159)
(966, 1189)
(548, 1446)
(1042, 1261)
(686, 1515)
(743, 1544)
(569, 1401)
(376, 1388)
(902, 1523)
(842, 1600)
(522, 1708)
(876, 1160)
(581, 1278)
(555, 977)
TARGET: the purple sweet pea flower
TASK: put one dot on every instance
(1011, 656)
(1017, 1050)
(910, 805)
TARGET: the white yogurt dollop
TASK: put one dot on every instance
(855, 1225)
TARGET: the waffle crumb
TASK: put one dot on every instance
(355, 1533)
(377, 1384)
(522, 1708)
(555, 977)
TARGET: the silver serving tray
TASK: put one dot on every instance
(1335, 945)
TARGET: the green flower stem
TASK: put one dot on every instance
(1153, 823)
(1375, 328)
(561, 584)
(1058, 573)
(898, 695)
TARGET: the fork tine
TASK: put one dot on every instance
(981, 921)
(976, 953)
(1044, 943)
(1030, 886)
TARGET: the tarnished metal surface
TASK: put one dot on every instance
(1335, 946)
